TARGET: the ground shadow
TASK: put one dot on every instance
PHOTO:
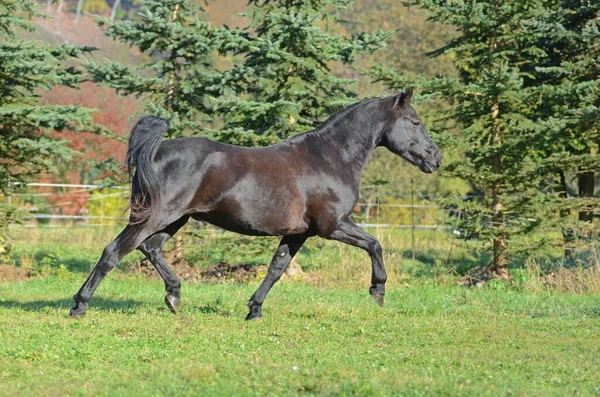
(212, 309)
(428, 261)
(98, 303)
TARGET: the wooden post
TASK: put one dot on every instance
(412, 210)
(102, 210)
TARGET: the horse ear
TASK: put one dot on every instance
(403, 98)
(409, 93)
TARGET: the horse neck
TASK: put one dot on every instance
(352, 138)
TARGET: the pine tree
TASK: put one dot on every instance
(493, 122)
(179, 44)
(568, 93)
(28, 146)
(285, 84)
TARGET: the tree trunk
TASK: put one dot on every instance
(169, 102)
(48, 6)
(568, 233)
(114, 9)
(178, 248)
(500, 263)
(586, 183)
(78, 12)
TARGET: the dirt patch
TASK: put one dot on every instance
(239, 273)
(12, 273)
(222, 272)
(214, 274)
(477, 277)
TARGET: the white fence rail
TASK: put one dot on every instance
(57, 219)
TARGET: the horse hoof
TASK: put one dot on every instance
(250, 317)
(77, 312)
(172, 303)
(378, 298)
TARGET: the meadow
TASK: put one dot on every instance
(321, 333)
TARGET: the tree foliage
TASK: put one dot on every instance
(179, 45)
(567, 80)
(285, 85)
(496, 120)
(28, 145)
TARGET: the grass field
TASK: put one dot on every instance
(428, 340)
(322, 336)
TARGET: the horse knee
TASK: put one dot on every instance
(282, 251)
(108, 260)
(281, 255)
(375, 248)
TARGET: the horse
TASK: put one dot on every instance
(304, 186)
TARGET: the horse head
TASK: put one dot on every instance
(407, 137)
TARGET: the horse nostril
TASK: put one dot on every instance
(438, 158)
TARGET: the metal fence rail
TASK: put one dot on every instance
(58, 219)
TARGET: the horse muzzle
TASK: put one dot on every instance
(432, 163)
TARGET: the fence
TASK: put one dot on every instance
(64, 205)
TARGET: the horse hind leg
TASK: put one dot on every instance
(152, 249)
(128, 240)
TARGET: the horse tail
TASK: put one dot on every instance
(144, 140)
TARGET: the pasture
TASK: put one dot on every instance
(321, 334)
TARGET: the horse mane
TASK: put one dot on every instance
(334, 118)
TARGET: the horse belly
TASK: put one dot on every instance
(244, 198)
(254, 219)
(253, 206)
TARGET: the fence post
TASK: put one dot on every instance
(412, 210)
(8, 193)
(102, 210)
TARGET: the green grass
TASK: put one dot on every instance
(325, 337)
(429, 339)
(78, 248)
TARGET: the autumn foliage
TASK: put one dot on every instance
(114, 112)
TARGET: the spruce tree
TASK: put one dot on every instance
(568, 106)
(492, 122)
(27, 145)
(179, 44)
(285, 84)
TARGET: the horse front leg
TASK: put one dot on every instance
(288, 247)
(350, 233)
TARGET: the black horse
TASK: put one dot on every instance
(302, 187)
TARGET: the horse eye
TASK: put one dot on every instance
(416, 123)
